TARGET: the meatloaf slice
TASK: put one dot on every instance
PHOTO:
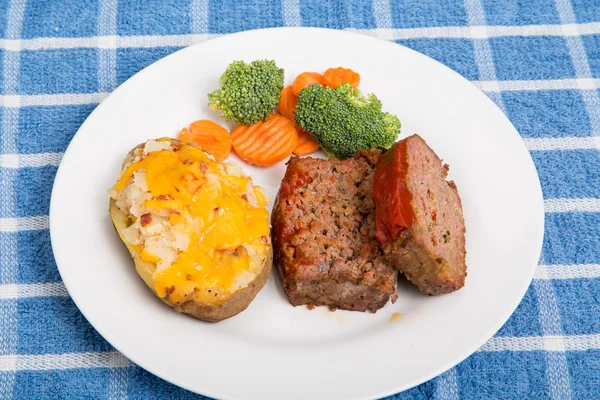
(324, 235)
(419, 217)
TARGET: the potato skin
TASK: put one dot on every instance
(238, 302)
(235, 305)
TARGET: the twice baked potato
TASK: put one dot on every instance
(197, 229)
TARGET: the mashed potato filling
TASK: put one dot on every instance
(203, 223)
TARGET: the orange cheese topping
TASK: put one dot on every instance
(213, 206)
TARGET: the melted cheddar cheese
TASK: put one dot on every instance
(228, 236)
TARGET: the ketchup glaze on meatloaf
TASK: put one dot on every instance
(420, 222)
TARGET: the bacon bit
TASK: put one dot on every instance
(310, 306)
(216, 209)
(245, 196)
(187, 161)
(188, 277)
(265, 239)
(171, 290)
(164, 197)
(145, 219)
(434, 215)
(203, 167)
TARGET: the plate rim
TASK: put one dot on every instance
(438, 371)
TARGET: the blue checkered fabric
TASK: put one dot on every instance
(539, 60)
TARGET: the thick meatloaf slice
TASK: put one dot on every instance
(324, 235)
(419, 217)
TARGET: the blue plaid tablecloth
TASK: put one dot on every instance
(539, 60)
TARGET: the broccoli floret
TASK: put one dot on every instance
(343, 121)
(249, 92)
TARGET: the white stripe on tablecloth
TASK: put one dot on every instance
(199, 10)
(60, 99)
(447, 386)
(557, 368)
(26, 290)
(572, 205)
(580, 61)
(107, 55)
(44, 362)
(466, 32)
(105, 42)
(107, 78)
(12, 224)
(482, 49)
(291, 12)
(543, 343)
(162, 41)
(567, 271)
(562, 143)
(382, 13)
(9, 261)
(118, 382)
(30, 160)
(541, 84)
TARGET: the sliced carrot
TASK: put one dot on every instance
(210, 136)
(287, 104)
(306, 144)
(334, 77)
(306, 79)
(265, 143)
(184, 135)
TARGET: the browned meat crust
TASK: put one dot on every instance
(431, 252)
(323, 231)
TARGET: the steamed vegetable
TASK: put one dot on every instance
(249, 92)
(304, 80)
(210, 136)
(287, 104)
(265, 143)
(306, 145)
(343, 121)
(335, 77)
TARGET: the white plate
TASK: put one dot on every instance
(273, 350)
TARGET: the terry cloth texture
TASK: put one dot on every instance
(539, 60)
